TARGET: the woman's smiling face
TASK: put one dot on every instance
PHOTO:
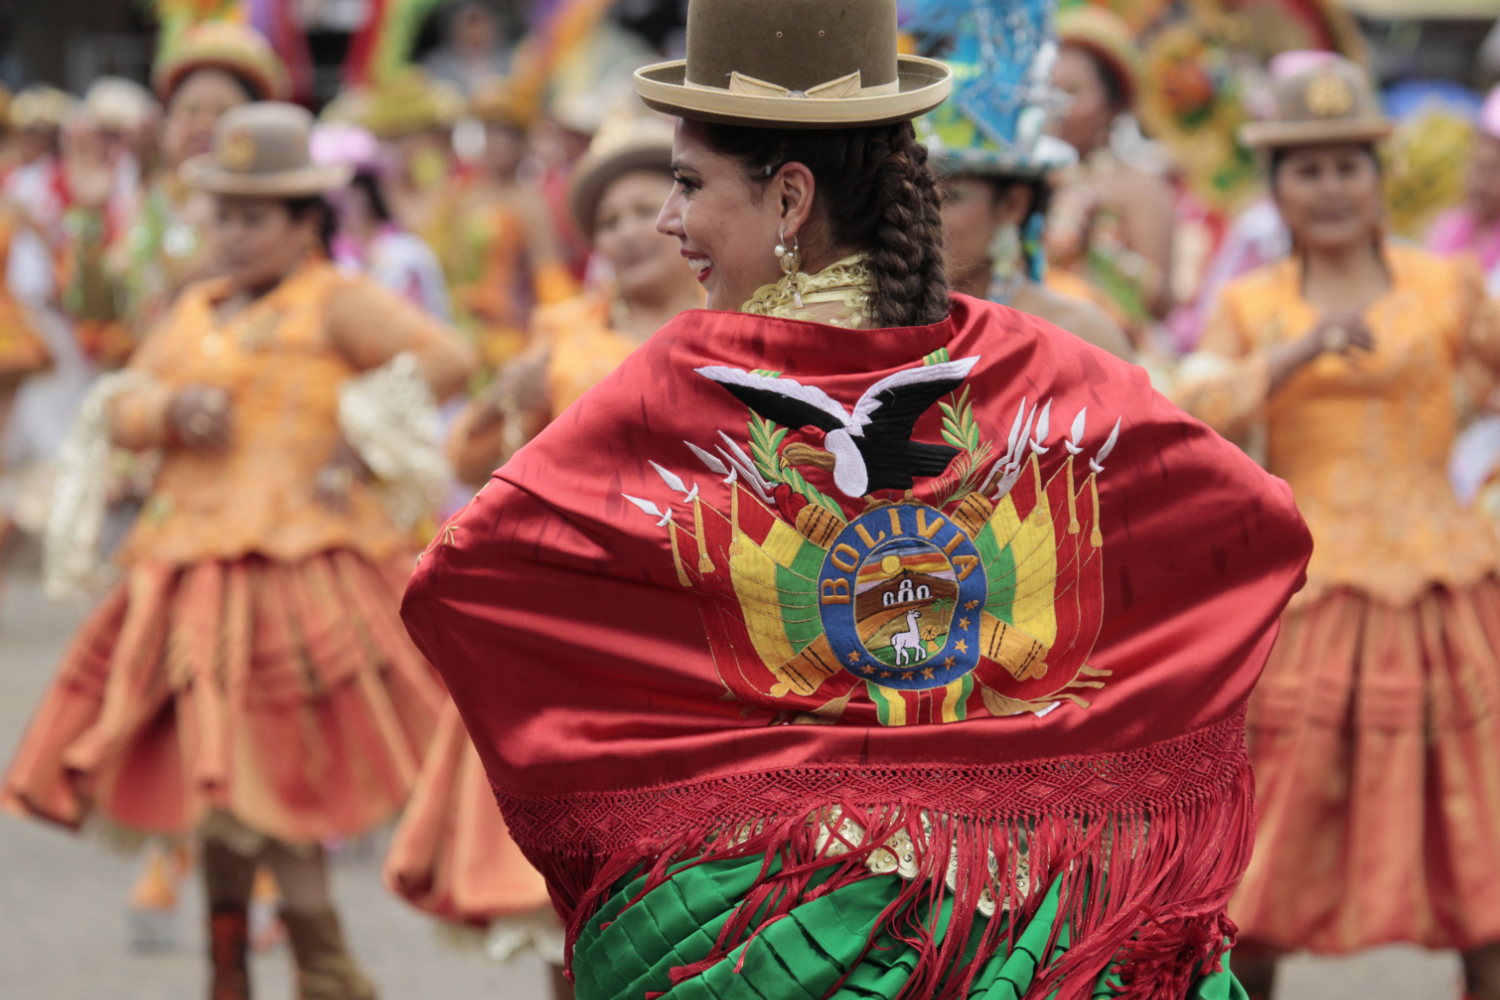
(726, 226)
(644, 260)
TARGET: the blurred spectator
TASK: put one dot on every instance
(1474, 227)
(367, 240)
(413, 117)
(502, 251)
(44, 406)
(125, 268)
(1112, 218)
(473, 48)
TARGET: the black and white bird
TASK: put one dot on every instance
(872, 447)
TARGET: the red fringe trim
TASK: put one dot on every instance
(1148, 846)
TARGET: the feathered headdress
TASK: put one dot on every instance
(1002, 55)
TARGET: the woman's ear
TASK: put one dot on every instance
(1013, 205)
(794, 188)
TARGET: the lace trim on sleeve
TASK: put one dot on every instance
(70, 543)
(390, 417)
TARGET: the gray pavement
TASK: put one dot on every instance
(62, 898)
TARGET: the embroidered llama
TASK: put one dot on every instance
(910, 641)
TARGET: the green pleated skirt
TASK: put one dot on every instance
(627, 951)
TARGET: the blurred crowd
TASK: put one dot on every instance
(461, 165)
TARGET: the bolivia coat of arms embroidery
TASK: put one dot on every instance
(985, 599)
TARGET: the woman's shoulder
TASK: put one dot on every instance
(1039, 344)
(1417, 267)
(1083, 319)
(1269, 283)
(196, 297)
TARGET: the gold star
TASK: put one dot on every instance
(885, 673)
(868, 669)
(971, 605)
(927, 673)
(961, 646)
(948, 662)
(963, 623)
(853, 657)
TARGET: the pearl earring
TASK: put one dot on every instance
(790, 259)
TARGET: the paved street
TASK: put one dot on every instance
(62, 898)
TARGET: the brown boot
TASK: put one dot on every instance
(229, 941)
(325, 969)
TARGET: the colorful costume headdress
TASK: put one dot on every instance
(409, 102)
(1002, 56)
(995, 121)
(235, 48)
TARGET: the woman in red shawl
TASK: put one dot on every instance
(855, 638)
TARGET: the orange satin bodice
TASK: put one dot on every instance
(1363, 439)
(282, 369)
(584, 347)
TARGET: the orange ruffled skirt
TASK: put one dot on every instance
(452, 856)
(1375, 737)
(285, 694)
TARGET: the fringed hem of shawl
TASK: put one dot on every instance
(1147, 847)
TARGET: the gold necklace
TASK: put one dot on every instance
(847, 282)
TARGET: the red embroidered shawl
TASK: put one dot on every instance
(664, 619)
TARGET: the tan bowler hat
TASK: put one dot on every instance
(794, 64)
(41, 108)
(1330, 102)
(621, 145)
(261, 149)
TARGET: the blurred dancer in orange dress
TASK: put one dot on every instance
(248, 679)
(1111, 222)
(451, 855)
(500, 252)
(1374, 730)
(125, 273)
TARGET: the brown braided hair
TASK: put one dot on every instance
(873, 191)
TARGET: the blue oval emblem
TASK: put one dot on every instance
(900, 595)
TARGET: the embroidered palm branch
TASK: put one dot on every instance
(766, 440)
(961, 430)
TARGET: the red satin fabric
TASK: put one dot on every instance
(580, 663)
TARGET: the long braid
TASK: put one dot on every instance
(906, 255)
(875, 192)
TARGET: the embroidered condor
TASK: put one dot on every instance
(872, 447)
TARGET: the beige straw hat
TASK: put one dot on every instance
(1329, 102)
(261, 149)
(622, 144)
(794, 64)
